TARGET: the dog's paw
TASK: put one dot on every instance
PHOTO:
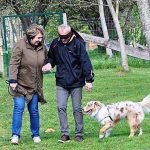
(101, 136)
(139, 134)
(108, 133)
(131, 136)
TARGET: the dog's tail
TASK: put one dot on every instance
(146, 104)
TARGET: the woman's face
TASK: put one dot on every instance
(37, 39)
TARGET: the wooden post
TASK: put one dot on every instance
(64, 18)
(87, 46)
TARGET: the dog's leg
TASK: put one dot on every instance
(133, 123)
(140, 130)
(104, 129)
(132, 132)
(108, 132)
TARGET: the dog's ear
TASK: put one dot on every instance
(97, 103)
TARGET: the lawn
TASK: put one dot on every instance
(110, 86)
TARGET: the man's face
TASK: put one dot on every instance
(64, 36)
(65, 41)
(37, 39)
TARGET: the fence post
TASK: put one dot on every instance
(64, 18)
(87, 46)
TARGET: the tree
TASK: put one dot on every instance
(22, 7)
(1, 55)
(144, 9)
(85, 9)
(120, 35)
(104, 26)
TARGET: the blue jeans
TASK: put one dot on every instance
(19, 105)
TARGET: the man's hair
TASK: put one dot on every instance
(33, 30)
(65, 27)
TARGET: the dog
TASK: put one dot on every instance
(110, 115)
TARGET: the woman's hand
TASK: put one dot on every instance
(47, 67)
(13, 86)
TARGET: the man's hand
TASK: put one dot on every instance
(13, 86)
(47, 67)
(88, 86)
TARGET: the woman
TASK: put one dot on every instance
(26, 80)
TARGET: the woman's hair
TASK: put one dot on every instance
(33, 30)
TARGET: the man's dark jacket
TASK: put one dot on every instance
(73, 66)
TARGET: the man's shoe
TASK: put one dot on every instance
(64, 138)
(79, 138)
(15, 139)
(36, 139)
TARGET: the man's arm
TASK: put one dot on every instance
(50, 61)
(87, 67)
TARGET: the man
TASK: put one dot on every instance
(73, 71)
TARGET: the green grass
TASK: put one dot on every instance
(102, 61)
(109, 86)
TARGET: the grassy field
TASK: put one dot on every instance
(109, 86)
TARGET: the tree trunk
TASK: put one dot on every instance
(144, 9)
(12, 32)
(104, 26)
(17, 25)
(120, 35)
(138, 52)
(1, 56)
(117, 8)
